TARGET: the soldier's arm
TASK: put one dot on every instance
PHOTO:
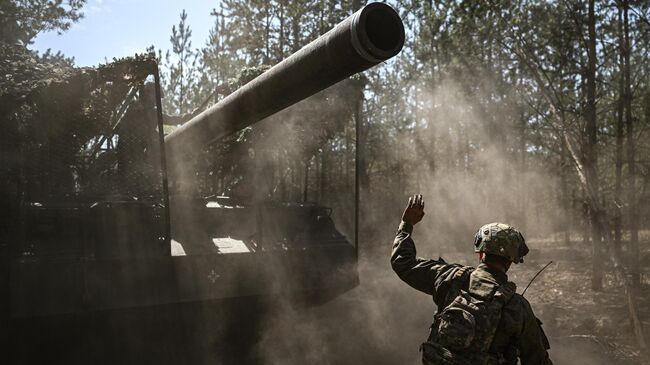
(533, 344)
(427, 276)
(421, 274)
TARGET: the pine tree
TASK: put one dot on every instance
(180, 80)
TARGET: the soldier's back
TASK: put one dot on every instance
(518, 333)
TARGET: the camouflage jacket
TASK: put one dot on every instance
(518, 327)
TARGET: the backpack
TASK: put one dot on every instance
(461, 334)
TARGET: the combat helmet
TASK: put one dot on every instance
(502, 240)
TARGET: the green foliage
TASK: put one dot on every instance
(22, 20)
(23, 70)
(180, 78)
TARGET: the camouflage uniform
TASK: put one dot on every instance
(519, 333)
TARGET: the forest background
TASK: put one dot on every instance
(530, 96)
(533, 112)
(536, 113)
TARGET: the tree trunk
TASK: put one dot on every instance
(295, 32)
(585, 223)
(361, 164)
(305, 182)
(322, 175)
(356, 5)
(619, 139)
(564, 186)
(361, 175)
(590, 151)
(281, 35)
(267, 34)
(631, 152)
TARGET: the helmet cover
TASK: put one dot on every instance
(502, 240)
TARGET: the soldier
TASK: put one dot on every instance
(480, 319)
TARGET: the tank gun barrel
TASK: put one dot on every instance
(373, 34)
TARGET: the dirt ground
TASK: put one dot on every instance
(584, 326)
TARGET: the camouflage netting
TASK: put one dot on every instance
(76, 138)
(63, 132)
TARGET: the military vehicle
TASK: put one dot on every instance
(104, 247)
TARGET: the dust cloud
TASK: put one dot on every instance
(383, 321)
(469, 162)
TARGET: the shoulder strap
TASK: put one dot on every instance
(446, 289)
(458, 282)
(504, 292)
(462, 271)
(500, 298)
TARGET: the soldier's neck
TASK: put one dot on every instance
(497, 266)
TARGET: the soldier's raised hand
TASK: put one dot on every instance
(414, 210)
